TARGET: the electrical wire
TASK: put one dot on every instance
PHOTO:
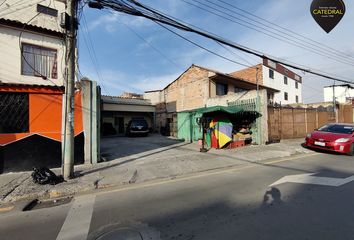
(281, 30)
(263, 20)
(233, 53)
(200, 46)
(17, 8)
(2, 3)
(135, 8)
(23, 57)
(287, 39)
(151, 46)
(92, 53)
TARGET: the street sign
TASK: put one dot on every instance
(307, 178)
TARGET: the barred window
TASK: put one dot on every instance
(14, 112)
(39, 61)
(221, 89)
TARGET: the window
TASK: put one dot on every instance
(285, 96)
(14, 112)
(238, 90)
(297, 98)
(285, 80)
(296, 85)
(271, 74)
(47, 10)
(39, 61)
(221, 89)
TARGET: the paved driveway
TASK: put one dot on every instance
(118, 147)
(158, 156)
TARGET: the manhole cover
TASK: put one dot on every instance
(121, 234)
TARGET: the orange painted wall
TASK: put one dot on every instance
(45, 111)
(45, 115)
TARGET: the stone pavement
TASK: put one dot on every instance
(134, 160)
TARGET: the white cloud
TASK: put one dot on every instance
(285, 13)
(111, 21)
(114, 82)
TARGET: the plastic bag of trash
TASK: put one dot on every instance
(44, 175)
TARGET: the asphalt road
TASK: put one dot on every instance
(235, 203)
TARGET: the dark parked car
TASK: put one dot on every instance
(137, 127)
(337, 137)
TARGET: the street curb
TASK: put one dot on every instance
(57, 193)
(6, 208)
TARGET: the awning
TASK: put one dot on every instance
(228, 109)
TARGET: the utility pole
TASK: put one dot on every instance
(334, 102)
(68, 141)
(258, 103)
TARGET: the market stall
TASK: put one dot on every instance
(227, 127)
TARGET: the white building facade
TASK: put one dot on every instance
(287, 82)
(32, 41)
(343, 93)
(275, 76)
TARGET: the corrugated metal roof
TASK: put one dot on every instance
(228, 109)
(30, 27)
(126, 101)
(13, 84)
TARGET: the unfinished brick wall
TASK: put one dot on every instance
(189, 91)
(249, 74)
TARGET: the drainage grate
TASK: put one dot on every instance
(36, 204)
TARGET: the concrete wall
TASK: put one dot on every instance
(278, 83)
(91, 120)
(155, 97)
(10, 60)
(25, 10)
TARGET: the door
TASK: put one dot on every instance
(119, 125)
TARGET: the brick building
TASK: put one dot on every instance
(32, 87)
(200, 87)
(275, 76)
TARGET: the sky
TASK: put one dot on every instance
(131, 54)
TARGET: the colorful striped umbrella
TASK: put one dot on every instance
(223, 130)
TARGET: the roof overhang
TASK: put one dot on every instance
(225, 109)
(241, 83)
(32, 28)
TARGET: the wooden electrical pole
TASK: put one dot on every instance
(68, 120)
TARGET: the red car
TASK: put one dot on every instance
(337, 137)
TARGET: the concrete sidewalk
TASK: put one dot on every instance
(160, 158)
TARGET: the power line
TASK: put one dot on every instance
(287, 39)
(200, 46)
(233, 53)
(283, 31)
(23, 57)
(151, 46)
(2, 3)
(18, 8)
(92, 53)
(279, 26)
(135, 8)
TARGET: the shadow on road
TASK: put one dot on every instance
(288, 211)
